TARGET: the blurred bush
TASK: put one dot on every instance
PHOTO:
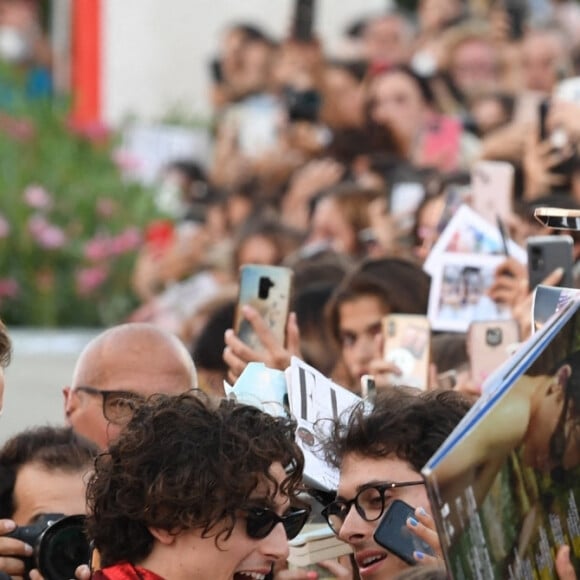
(69, 224)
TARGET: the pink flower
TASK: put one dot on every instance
(127, 241)
(97, 249)
(107, 207)
(4, 227)
(37, 197)
(45, 234)
(20, 128)
(90, 279)
(9, 288)
(126, 161)
(36, 224)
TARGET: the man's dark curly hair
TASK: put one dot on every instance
(404, 422)
(186, 462)
(52, 448)
(5, 346)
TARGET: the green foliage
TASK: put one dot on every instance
(69, 224)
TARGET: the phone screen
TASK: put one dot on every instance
(394, 535)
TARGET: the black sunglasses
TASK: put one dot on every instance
(261, 521)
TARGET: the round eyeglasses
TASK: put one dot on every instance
(369, 502)
(118, 406)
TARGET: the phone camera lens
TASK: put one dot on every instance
(493, 336)
(264, 287)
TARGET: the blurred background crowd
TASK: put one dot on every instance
(319, 160)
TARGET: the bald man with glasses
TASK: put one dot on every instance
(119, 369)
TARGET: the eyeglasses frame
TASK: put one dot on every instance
(380, 487)
(93, 391)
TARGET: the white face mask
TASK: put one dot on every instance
(15, 46)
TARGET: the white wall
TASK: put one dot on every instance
(156, 51)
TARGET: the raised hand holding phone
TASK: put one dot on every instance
(396, 533)
(264, 331)
(545, 254)
(274, 354)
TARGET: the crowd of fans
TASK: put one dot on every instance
(325, 163)
(312, 152)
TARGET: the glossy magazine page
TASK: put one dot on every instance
(505, 493)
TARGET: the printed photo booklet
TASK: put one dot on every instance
(311, 398)
(505, 485)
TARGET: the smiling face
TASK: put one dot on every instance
(190, 554)
(373, 561)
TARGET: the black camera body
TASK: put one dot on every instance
(302, 105)
(59, 545)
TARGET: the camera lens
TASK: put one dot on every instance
(64, 547)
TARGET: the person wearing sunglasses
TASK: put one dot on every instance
(196, 489)
(380, 455)
(117, 371)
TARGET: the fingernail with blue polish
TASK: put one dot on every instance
(422, 511)
(413, 522)
(419, 555)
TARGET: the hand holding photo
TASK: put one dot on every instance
(469, 233)
(459, 289)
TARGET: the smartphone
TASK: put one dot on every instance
(393, 534)
(558, 137)
(517, 11)
(492, 189)
(303, 21)
(558, 218)
(404, 199)
(441, 143)
(489, 344)
(543, 110)
(407, 344)
(504, 237)
(545, 254)
(216, 71)
(267, 289)
(368, 388)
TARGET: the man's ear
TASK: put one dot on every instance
(163, 536)
(68, 395)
